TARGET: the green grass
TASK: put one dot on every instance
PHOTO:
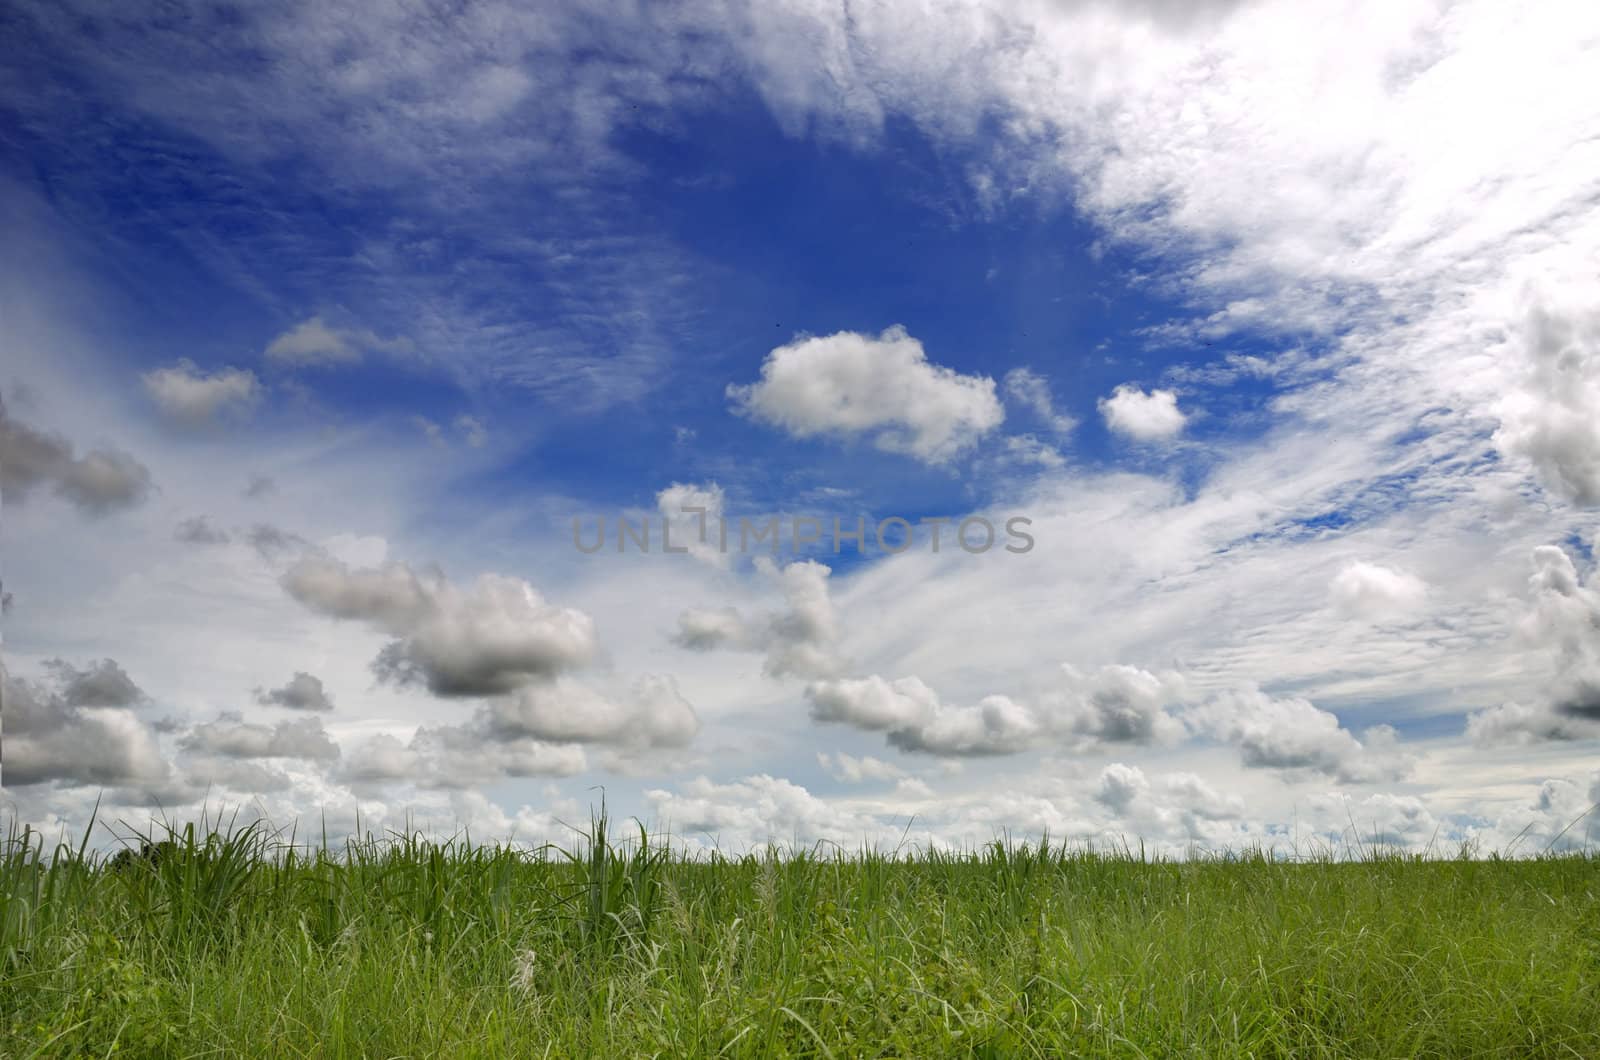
(232, 942)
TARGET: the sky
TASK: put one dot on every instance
(1243, 356)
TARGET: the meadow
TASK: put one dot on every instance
(216, 941)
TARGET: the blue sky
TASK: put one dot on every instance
(324, 322)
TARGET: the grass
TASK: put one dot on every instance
(227, 940)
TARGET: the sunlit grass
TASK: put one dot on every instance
(230, 940)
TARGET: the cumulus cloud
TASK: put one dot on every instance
(98, 482)
(302, 692)
(1372, 591)
(1296, 736)
(756, 809)
(1114, 705)
(853, 385)
(382, 759)
(457, 757)
(191, 398)
(314, 342)
(1121, 786)
(799, 640)
(494, 637)
(1552, 417)
(1562, 622)
(103, 683)
(693, 514)
(1032, 391)
(230, 736)
(652, 713)
(1146, 417)
(78, 731)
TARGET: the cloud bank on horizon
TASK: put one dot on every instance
(328, 328)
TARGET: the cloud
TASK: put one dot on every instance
(1114, 705)
(302, 692)
(1026, 449)
(462, 757)
(1552, 418)
(198, 530)
(230, 736)
(1120, 786)
(495, 637)
(236, 774)
(260, 486)
(756, 809)
(473, 431)
(1296, 736)
(851, 385)
(97, 483)
(1145, 417)
(192, 399)
(381, 759)
(270, 541)
(800, 640)
(693, 514)
(1373, 591)
(1032, 391)
(852, 770)
(314, 343)
(102, 683)
(652, 713)
(80, 732)
(431, 430)
(1562, 624)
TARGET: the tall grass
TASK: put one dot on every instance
(231, 940)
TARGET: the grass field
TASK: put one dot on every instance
(227, 942)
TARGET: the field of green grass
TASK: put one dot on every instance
(228, 942)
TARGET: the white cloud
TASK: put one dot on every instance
(313, 342)
(1561, 625)
(1293, 734)
(1115, 705)
(800, 640)
(1032, 391)
(852, 770)
(1373, 591)
(693, 514)
(191, 398)
(1552, 417)
(850, 385)
(1147, 417)
(652, 713)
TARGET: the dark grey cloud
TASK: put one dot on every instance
(302, 692)
(260, 486)
(62, 732)
(102, 683)
(230, 736)
(97, 483)
(199, 531)
(493, 638)
(236, 774)
(271, 542)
